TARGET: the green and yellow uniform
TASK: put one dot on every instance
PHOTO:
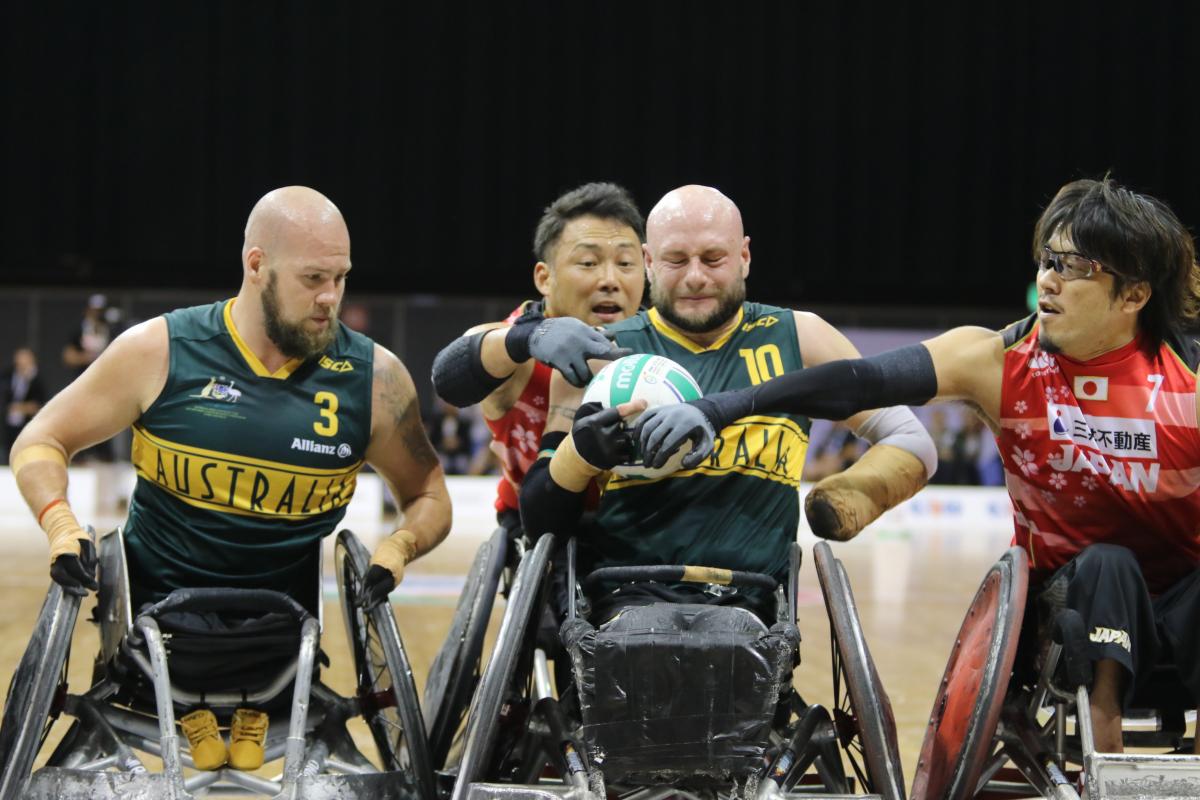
(740, 509)
(241, 471)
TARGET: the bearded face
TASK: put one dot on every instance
(293, 337)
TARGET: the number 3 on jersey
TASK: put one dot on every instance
(328, 424)
(763, 363)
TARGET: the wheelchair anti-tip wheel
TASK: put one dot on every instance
(386, 690)
(967, 707)
(38, 684)
(862, 711)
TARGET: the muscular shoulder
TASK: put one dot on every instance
(138, 360)
(820, 342)
(395, 413)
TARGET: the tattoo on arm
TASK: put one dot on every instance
(406, 415)
(561, 411)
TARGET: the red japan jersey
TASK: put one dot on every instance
(517, 435)
(1105, 450)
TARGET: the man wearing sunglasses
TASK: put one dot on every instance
(1093, 401)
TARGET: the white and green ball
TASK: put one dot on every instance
(657, 380)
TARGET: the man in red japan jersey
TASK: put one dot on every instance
(589, 271)
(1093, 401)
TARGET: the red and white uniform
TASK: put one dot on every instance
(517, 435)
(1105, 450)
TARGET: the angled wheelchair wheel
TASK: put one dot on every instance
(456, 669)
(37, 688)
(506, 674)
(966, 710)
(386, 691)
(862, 711)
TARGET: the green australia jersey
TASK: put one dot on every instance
(740, 509)
(241, 471)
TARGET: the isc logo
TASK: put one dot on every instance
(336, 366)
(761, 322)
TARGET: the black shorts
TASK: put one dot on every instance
(1105, 585)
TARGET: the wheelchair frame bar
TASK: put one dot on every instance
(221, 699)
(172, 767)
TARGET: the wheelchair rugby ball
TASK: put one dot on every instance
(657, 380)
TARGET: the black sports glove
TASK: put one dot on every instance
(376, 586)
(564, 343)
(601, 437)
(664, 429)
(77, 574)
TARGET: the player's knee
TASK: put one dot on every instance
(1107, 562)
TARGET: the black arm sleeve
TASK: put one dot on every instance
(459, 376)
(546, 507)
(835, 390)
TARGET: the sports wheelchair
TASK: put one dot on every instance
(256, 648)
(671, 699)
(1011, 717)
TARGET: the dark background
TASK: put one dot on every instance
(882, 153)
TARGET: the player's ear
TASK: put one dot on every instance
(647, 259)
(1135, 296)
(254, 263)
(541, 277)
(745, 254)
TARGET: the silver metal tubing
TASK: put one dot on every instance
(1083, 721)
(222, 699)
(172, 768)
(348, 768)
(293, 760)
(541, 675)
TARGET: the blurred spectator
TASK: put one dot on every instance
(88, 341)
(943, 437)
(84, 346)
(450, 435)
(24, 394)
(837, 451)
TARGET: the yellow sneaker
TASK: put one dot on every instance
(246, 736)
(208, 748)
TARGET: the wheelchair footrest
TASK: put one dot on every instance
(1129, 775)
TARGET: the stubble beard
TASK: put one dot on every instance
(726, 309)
(290, 337)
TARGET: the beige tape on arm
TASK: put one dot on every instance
(841, 505)
(35, 453)
(394, 552)
(63, 530)
(569, 469)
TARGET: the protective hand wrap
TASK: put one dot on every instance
(394, 552)
(459, 376)
(841, 505)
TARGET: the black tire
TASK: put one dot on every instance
(386, 691)
(966, 710)
(455, 671)
(862, 711)
(501, 674)
(34, 689)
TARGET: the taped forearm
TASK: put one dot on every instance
(899, 427)
(41, 474)
(840, 506)
(395, 553)
(459, 376)
(834, 390)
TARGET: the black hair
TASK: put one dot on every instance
(1137, 238)
(604, 200)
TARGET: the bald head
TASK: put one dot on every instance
(294, 217)
(693, 207)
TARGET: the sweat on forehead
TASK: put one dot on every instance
(287, 210)
(693, 204)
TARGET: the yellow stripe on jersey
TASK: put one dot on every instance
(239, 485)
(678, 338)
(771, 448)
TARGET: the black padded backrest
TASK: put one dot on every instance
(680, 692)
